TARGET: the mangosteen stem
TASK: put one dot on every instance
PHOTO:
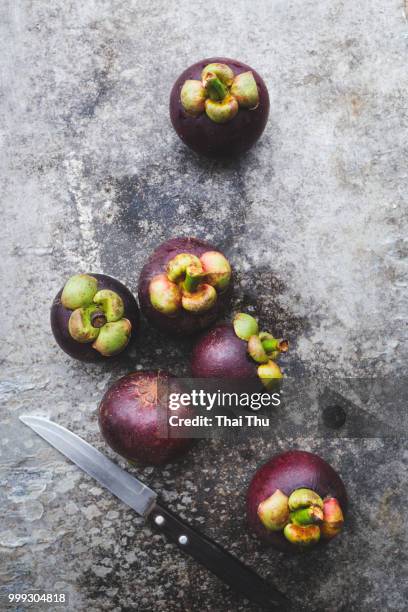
(307, 516)
(194, 276)
(98, 319)
(270, 345)
(273, 344)
(215, 88)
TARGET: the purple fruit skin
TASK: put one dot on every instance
(128, 420)
(60, 317)
(289, 471)
(184, 323)
(213, 139)
(219, 353)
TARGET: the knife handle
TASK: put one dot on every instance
(220, 562)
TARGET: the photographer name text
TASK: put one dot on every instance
(250, 420)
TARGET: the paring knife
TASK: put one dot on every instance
(145, 501)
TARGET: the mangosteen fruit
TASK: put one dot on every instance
(219, 107)
(296, 501)
(94, 316)
(130, 416)
(185, 286)
(239, 350)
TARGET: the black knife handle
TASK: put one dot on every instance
(220, 562)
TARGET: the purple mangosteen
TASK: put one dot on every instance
(238, 350)
(129, 419)
(296, 501)
(94, 316)
(185, 286)
(219, 107)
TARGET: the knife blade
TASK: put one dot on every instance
(119, 482)
(145, 502)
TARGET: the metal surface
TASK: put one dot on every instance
(126, 487)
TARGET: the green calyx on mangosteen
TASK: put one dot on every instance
(220, 93)
(190, 283)
(263, 348)
(79, 291)
(178, 284)
(303, 517)
(97, 316)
